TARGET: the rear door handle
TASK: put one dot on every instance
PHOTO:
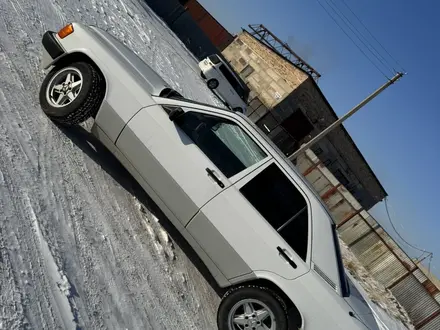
(286, 257)
(215, 177)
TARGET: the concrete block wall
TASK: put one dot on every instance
(273, 78)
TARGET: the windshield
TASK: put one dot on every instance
(214, 59)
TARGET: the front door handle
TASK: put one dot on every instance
(215, 177)
(286, 257)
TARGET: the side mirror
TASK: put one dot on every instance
(175, 113)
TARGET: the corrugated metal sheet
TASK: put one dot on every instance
(378, 252)
(415, 299)
(433, 325)
(420, 276)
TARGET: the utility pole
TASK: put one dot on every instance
(350, 113)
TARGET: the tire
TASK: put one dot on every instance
(79, 101)
(260, 299)
(202, 75)
(238, 109)
(212, 83)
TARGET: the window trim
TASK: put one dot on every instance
(238, 176)
(247, 171)
(255, 137)
(309, 214)
(246, 179)
(284, 225)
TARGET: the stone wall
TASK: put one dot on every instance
(271, 78)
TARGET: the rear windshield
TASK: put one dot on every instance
(214, 59)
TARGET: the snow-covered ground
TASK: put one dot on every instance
(76, 250)
(80, 245)
(389, 314)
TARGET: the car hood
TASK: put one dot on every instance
(361, 310)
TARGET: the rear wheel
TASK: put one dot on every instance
(252, 308)
(238, 109)
(72, 93)
(212, 83)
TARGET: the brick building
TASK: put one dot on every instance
(287, 104)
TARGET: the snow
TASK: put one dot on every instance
(56, 277)
(389, 314)
(81, 246)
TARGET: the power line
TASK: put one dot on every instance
(348, 36)
(372, 35)
(360, 36)
(420, 256)
(398, 234)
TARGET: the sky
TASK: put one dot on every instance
(398, 132)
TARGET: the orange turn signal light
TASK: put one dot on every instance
(65, 31)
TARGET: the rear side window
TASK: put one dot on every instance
(233, 81)
(275, 197)
(228, 75)
(214, 59)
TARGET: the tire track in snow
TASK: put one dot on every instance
(60, 283)
(11, 304)
(63, 216)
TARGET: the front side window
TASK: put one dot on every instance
(226, 144)
(275, 197)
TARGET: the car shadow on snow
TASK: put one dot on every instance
(91, 146)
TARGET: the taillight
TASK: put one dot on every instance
(65, 31)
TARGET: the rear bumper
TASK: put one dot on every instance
(51, 48)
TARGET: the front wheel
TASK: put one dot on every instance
(212, 83)
(72, 93)
(252, 308)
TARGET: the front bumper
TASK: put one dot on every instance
(51, 48)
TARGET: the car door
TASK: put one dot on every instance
(260, 223)
(186, 161)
